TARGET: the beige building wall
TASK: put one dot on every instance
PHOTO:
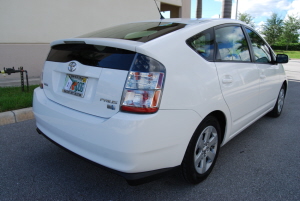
(177, 8)
(185, 11)
(28, 26)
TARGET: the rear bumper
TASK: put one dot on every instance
(126, 143)
(132, 178)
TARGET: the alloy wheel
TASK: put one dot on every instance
(206, 149)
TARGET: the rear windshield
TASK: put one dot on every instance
(141, 31)
(92, 55)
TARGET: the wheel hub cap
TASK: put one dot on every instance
(206, 149)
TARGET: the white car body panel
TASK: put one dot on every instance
(125, 142)
(240, 87)
(191, 80)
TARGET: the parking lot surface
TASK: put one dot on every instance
(261, 163)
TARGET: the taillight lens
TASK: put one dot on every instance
(144, 85)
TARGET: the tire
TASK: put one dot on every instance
(202, 151)
(276, 112)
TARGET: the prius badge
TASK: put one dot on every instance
(72, 66)
(109, 106)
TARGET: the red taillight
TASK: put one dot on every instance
(144, 84)
(138, 109)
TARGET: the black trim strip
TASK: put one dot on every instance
(74, 42)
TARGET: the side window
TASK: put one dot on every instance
(232, 44)
(261, 51)
(203, 44)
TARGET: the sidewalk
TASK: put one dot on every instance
(16, 116)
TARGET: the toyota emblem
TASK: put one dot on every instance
(72, 66)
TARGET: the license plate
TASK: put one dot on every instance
(75, 85)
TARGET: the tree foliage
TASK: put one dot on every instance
(247, 18)
(290, 34)
(282, 32)
(273, 28)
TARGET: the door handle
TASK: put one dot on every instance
(262, 74)
(227, 80)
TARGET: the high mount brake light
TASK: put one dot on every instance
(144, 84)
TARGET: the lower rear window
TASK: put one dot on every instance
(92, 55)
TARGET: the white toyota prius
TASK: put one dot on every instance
(143, 98)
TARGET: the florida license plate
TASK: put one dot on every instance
(75, 85)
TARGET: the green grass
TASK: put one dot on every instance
(12, 98)
(291, 54)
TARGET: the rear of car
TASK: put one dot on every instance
(143, 98)
(101, 97)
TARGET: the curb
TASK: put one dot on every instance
(16, 116)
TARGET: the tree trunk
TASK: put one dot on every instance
(199, 9)
(226, 8)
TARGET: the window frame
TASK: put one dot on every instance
(272, 53)
(246, 38)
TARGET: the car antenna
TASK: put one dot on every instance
(161, 17)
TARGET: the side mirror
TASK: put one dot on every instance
(282, 58)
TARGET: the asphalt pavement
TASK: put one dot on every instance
(261, 163)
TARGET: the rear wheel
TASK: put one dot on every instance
(279, 103)
(202, 151)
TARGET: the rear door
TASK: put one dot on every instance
(88, 78)
(238, 76)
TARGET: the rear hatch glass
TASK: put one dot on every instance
(87, 78)
(141, 31)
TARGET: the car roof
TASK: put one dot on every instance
(195, 21)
